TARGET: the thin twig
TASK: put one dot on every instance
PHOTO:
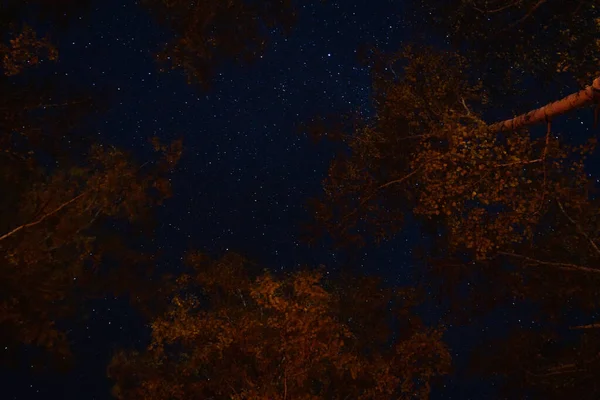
(548, 130)
(400, 180)
(363, 201)
(519, 162)
(465, 106)
(531, 11)
(415, 136)
(590, 326)
(497, 10)
(284, 384)
(560, 372)
(17, 229)
(242, 297)
(579, 229)
(565, 266)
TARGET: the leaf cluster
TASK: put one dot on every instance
(272, 337)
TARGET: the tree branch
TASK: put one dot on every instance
(285, 384)
(519, 162)
(405, 177)
(531, 11)
(565, 266)
(497, 10)
(462, 100)
(17, 229)
(363, 201)
(554, 372)
(590, 326)
(579, 229)
(585, 97)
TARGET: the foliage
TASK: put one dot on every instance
(552, 365)
(512, 215)
(62, 194)
(23, 47)
(511, 41)
(364, 186)
(426, 151)
(269, 337)
(52, 237)
(209, 34)
(24, 50)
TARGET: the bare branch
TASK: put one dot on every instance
(555, 372)
(285, 385)
(531, 11)
(590, 326)
(462, 100)
(519, 163)
(363, 201)
(400, 180)
(579, 229)
(565, 266)
(17, 229)
(497, 10)
(585, 97)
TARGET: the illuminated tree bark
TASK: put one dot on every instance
(585, 97)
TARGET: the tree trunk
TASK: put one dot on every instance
(585, 97)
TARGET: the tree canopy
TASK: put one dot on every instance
(210, 34)
(245, 336)
(511, 211)
(511, 42)
(52, 237)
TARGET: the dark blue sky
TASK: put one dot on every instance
(245, 173)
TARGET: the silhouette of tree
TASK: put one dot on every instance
(427, 151)
(546, 363)
(26, 47)
(512, 215)
(51, 232)
(209, 34)
(62, 194)
(511, 41)
(234, 333)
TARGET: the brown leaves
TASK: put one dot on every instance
(24, 50)
(511, 213)
(210, 33)
(428, 153)
(54, 237)
(535, 39)
(272, 338)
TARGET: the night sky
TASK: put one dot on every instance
(245, 173)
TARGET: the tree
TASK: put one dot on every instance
(61, 194)
(511, 214)
(428, 152)
(52, 232)
(25, 49)
(558, 273)
(546, 363)
(512, 41)
(588, 96)
(209, 34)
(236, 333)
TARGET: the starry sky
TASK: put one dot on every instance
(245, 173)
